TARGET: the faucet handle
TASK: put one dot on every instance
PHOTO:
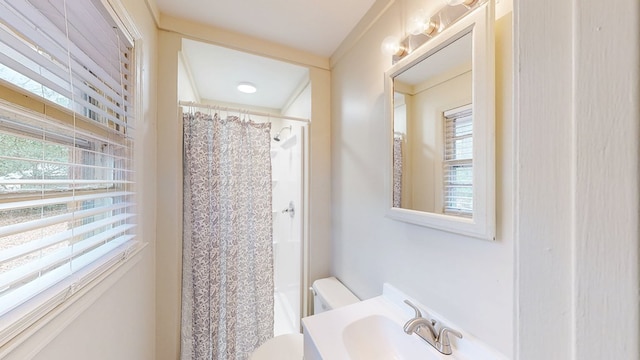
(415, 308)
(443, 342)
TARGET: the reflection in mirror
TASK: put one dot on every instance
(440, 139)
(433, 132)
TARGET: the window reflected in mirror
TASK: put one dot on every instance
(458, 162)
(433, 133)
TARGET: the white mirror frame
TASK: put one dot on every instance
(480, 21)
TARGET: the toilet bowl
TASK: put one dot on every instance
(281, 347)
(328, 293)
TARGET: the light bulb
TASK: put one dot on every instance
(416, 23)
(420, 23)
(391, 46)
(428, 27)
(431, 27)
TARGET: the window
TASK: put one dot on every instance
(67, 200)
(458, 161)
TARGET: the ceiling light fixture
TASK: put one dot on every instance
(247, 88)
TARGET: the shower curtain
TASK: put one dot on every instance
(227, 283)
(397, 170)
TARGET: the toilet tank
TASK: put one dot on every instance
(329, 293)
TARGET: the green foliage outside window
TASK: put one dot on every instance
(39, 160)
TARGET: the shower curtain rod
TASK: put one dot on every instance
(242, 111)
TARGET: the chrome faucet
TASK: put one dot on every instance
(426, 329)
(418, 324)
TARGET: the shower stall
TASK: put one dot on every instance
(207, 77)
(287, 174)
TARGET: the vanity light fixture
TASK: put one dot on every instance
(421, 23)
(391, 46)
(247, 88)
(467, 3)
(429, 27)
(421, 27)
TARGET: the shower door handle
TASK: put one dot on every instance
(290, 210)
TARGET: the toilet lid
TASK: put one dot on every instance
(282, 347)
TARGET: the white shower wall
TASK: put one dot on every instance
(286, 160)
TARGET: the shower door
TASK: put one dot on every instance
(287, 170)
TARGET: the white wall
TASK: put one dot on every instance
(468, 281)
(300, 105)
(169, 242)
(567, 172)
(186, 89)
(116, 318)
(425, 140)
(578, 111)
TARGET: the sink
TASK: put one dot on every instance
(372, 329)
(368, 330)
(377, 337)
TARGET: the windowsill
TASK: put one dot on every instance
(71, 308)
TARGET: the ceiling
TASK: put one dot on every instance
(217, 71)
(314, 26)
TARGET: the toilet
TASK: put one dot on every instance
(328, 293)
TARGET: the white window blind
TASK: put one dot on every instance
(458, 161)
(69, 52)
(67, 201)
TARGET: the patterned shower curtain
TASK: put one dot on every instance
(397, 170)
(227, 282)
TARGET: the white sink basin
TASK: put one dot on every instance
(367, 330)
(373, 330)
(377, 337)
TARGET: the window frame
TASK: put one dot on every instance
(451, 159)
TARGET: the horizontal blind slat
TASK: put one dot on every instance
(61, 182)
(56, 219)
(458, 162)
(43, 33)
(24, 249)
(77, 165)
(61, 200)
(12, 300)
(83, 23)
(50, 72)
(12, 115)
(40, 21)
(49, 261)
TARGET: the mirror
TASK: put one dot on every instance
(440, 109)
